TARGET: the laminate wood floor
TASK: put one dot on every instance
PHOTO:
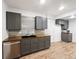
(58, 50)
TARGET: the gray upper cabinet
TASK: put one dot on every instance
(40, 23)
(64, 23)
(13, 21)
(44, 23)
(60, 21)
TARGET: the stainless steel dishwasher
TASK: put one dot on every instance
(11, 50)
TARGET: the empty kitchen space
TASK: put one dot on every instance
(39, 29)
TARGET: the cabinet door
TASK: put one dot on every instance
(17, 22)
(44, 23)
(70, 37)
(25, 46)
(38, 23)
(13, 21)
(41, 43)
(66, 24)
(47, 42)
(65, 37)
(10, 21)
(34, 44)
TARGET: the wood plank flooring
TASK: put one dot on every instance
(58, 50)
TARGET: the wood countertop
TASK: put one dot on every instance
(18, 38)
(13, 39)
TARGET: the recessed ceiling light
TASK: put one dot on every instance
(61, 8)
(42, 1)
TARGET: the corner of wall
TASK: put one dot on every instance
(4, 32)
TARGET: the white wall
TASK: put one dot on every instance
(28, 25)
(72, 28)
(4, 32)
(53, 30)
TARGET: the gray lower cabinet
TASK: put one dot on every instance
(47, 42)
(66, 37)
(25, 46)
(41, 43)
(32, 44)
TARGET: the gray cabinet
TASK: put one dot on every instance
(44, 23)
(40, 23)
(13, 21)
(41, 43)
(66, 37)
(59, 21)
(64, 23)
(32, 44)
(47, 42)
(25, 46)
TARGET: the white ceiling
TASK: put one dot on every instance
(69, 17)
(49, 8)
